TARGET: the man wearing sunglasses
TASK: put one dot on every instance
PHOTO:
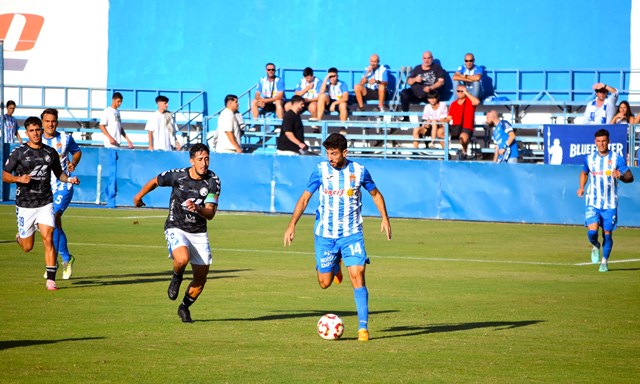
(602, 109)
(469, 75)
(269, 95)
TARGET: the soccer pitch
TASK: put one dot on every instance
(450, 302)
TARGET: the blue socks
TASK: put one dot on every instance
(607, 245)
(593, 238)
(60, 242)
(361, 296)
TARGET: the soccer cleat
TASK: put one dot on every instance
(67, 268)
(51, 285)
(595, 255)
(604, 267)
(337, 278)
(174, 287)
(184, 314)
(363, 334)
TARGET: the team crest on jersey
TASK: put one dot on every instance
(204, 191)
(47, 158)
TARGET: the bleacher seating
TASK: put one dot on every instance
(80, 110)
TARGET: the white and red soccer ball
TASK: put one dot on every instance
(330, 327)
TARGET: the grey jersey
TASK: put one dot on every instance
(201, 192)
(39, 163)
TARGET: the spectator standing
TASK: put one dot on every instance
(338, 228)
(602, 169)
(291, 139)
(373, 84)
(194, 201)
(309, 89)
(64, 144)
(602, 109)
(111, 124)
(228, 140)
(334, 95)
(424, 78)
(11, 134)
(269, 96)
(30, 166)
(470, 75)
(623, 114)
(504, 139)
(462, 113)
(434, 116)
(161, 129)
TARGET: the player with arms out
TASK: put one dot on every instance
(338, 226)
(194, 200)
(602, 169)
(64, 144)
(30, 166)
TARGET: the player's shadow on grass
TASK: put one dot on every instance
(623, 269)
(8, 344)
(410, 330)
(144, 278)
(299, 315)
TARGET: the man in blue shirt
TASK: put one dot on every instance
(504, 139)
(602, 168)
(338, 227)
(334, 95)
(269, 95)
(469, 75)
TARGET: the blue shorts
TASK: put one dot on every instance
(329, 252)
(606, 218)
(61, 200)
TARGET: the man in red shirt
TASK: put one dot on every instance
(462, 116)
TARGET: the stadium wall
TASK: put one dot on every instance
(476, 191)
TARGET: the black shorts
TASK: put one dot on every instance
(269, 107)
(372, 94)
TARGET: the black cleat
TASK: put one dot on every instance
(184, 314)
(174, 287)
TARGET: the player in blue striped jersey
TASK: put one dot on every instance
(64, 144)
(338, 227)
(602, 169)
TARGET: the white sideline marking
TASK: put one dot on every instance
(372, 256)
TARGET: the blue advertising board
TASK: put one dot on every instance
(569, 144)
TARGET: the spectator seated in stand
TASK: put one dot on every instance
(623, 114)
(309, 89)
(269, 95)
(334, 94)
(462, 113)
(434, 116)
(603, 108)
(470, 75)
(373, 84)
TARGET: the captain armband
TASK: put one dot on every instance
(211, 198)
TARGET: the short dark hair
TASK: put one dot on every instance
(162, 98)
(307, 72)
(33, 120)
(268, 64)
(333, 70)
(49, 111)
(198, 147)
(118, 95)
(335, 141)
(602, 132)
(229, 98)
(297, 99)
(10, 103)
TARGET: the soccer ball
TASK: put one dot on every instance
(330, 327)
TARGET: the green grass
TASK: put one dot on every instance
(450, 302)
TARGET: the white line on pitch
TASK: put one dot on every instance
(373, 256)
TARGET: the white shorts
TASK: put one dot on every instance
(29, 218)
(197, 244)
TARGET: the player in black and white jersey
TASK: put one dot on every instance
(30, 167)
(194, 200)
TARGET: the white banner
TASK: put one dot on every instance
(55, 43)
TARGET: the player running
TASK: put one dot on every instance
(194, 200)
(64, 144)
(30, 166)
(338, 227)
(602, 169)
